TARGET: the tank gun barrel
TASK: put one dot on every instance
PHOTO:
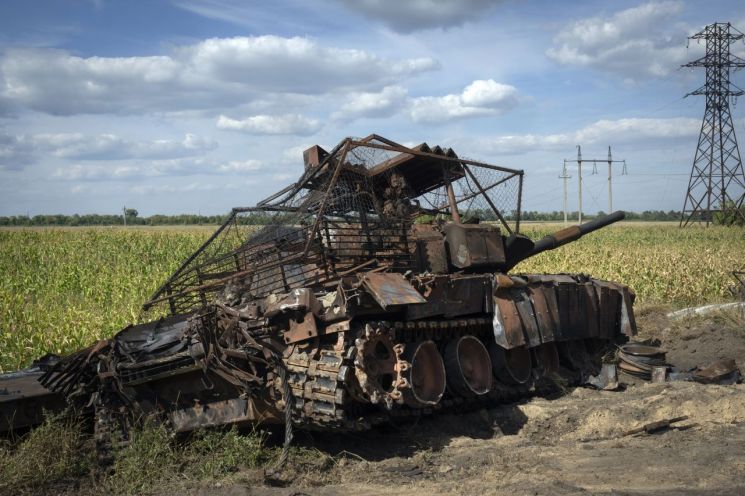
(559, 238)
(573, 233)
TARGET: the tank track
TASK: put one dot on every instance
(326, 393)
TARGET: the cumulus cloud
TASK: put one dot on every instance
(113, 147)
(633, 42)
(237, 166)
(373, 105)
(17, 152)
(156, 168)
(632, 130)
(271, 124)
(148, 189)
(294, 154)
(414, 15)
(480, 98)
(215, 73)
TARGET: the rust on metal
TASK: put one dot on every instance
(391, 289)
(349, 299)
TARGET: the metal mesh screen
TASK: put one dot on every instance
(351, 212)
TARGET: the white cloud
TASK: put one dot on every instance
(633, 43)
(271, 124)
(156, 168)
(216, 73)
(480, 98)
(148, 189)
(17, 152)
(412, 15)
(602, 132)
(237, 166)
(113, 147)
(373, 105)
(294, 154)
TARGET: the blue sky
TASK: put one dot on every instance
(196, 106)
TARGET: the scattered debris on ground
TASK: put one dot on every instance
(690, 438)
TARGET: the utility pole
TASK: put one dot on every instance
(594, 161)
(717, 182)
(579, 172)
(124, 215)
(610, 178)
(564, 175)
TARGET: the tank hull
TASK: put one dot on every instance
(374, 349)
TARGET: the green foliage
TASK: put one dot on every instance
(63, 289)
(661, 263)
(133, 219)
(485, 215)
(213, 454)
(56, 453)
(49, 454)
(148, 460)
(153, 460)
(730, 215)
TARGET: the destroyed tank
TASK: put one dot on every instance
(376, 287)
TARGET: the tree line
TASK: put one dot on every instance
(132, 218)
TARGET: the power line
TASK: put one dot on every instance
(594, 162)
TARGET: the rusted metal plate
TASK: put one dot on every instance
(577, 311)
(391, 290)
(716, 372)
(527, 316)
(466, 295)
(540, 297)
(566, 301)
(628, 322)
(552, 278)
(430, 249)
(508, 329)
(453, 296)
(592, 313)
(610, 307)
(232, 411)
(302, 329)
(474, 245)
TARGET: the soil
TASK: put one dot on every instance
(573, 444)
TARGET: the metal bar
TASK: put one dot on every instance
(519, 203)
(191, 258)
(473, 195)
(451, 197)
(403, 149)
(332, 183)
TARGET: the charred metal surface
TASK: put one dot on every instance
(391, 290)
(23, 400)
(374, 288)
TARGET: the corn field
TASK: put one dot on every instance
(62, 289)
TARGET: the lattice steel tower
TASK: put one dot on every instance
(717, 183)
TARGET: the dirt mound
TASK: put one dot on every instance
(695, 341)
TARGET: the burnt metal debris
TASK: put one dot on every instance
(374, 290)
